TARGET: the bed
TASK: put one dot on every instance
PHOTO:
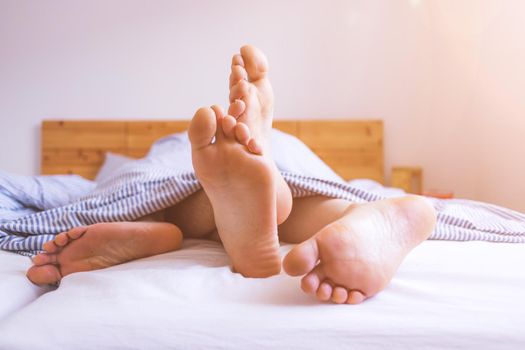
(354, 149)
(446, 294)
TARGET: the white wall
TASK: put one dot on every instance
(446, 76)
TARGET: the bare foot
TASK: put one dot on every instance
(356, 256)
(250, 87)
(102, 245)
(242, 190)
(251, 103)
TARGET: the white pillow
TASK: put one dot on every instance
(112, 163)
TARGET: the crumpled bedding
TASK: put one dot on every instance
(24, 195)
(35, 209)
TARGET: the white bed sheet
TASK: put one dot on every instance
(15, 289)
(446, 295)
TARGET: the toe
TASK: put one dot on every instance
(239, 90)
(228, 125)
(42, 275)
(339, 295)
(236, 108)
(302, 258)
(61, 239)
(324, 292)
(255, 62)
(355, 297)
(242, 133)
(77, 232)
(237, 60)
(43, 259)
(219, 111)
(202, 128)
(254, 146)
(50, 247)
(311, 282)
(238, 73)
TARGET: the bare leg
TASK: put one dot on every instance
(193, 216)
(251, 104)
(351, 251)
(107, 244)
(309, 215)
(242, 189)
(249, 197)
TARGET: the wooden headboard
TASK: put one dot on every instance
(353, 148)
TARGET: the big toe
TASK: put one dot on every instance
(202, 128)
(302, 258)
(255, 62)
(42, 275)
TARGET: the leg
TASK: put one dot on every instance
(193, 216)
(251, 104)
(309, 215)
(242, 190)
(352, 251)
(248, 195)
(102, 245)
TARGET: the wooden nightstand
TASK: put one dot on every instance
(409, 179)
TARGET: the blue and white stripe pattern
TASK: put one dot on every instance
(163, 179)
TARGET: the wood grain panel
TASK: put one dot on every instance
(141, 134)
(83, 135)
(288, 126)
(87, 171)
(342, 134)
(69, 156)
(79, 147)
(354, 149)
(351, 164)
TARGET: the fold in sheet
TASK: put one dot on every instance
(165, 177)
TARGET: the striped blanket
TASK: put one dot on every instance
(165, 177)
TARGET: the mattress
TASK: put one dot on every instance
(462, 295)
(15, 289)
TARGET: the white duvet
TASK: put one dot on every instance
(467, 295)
